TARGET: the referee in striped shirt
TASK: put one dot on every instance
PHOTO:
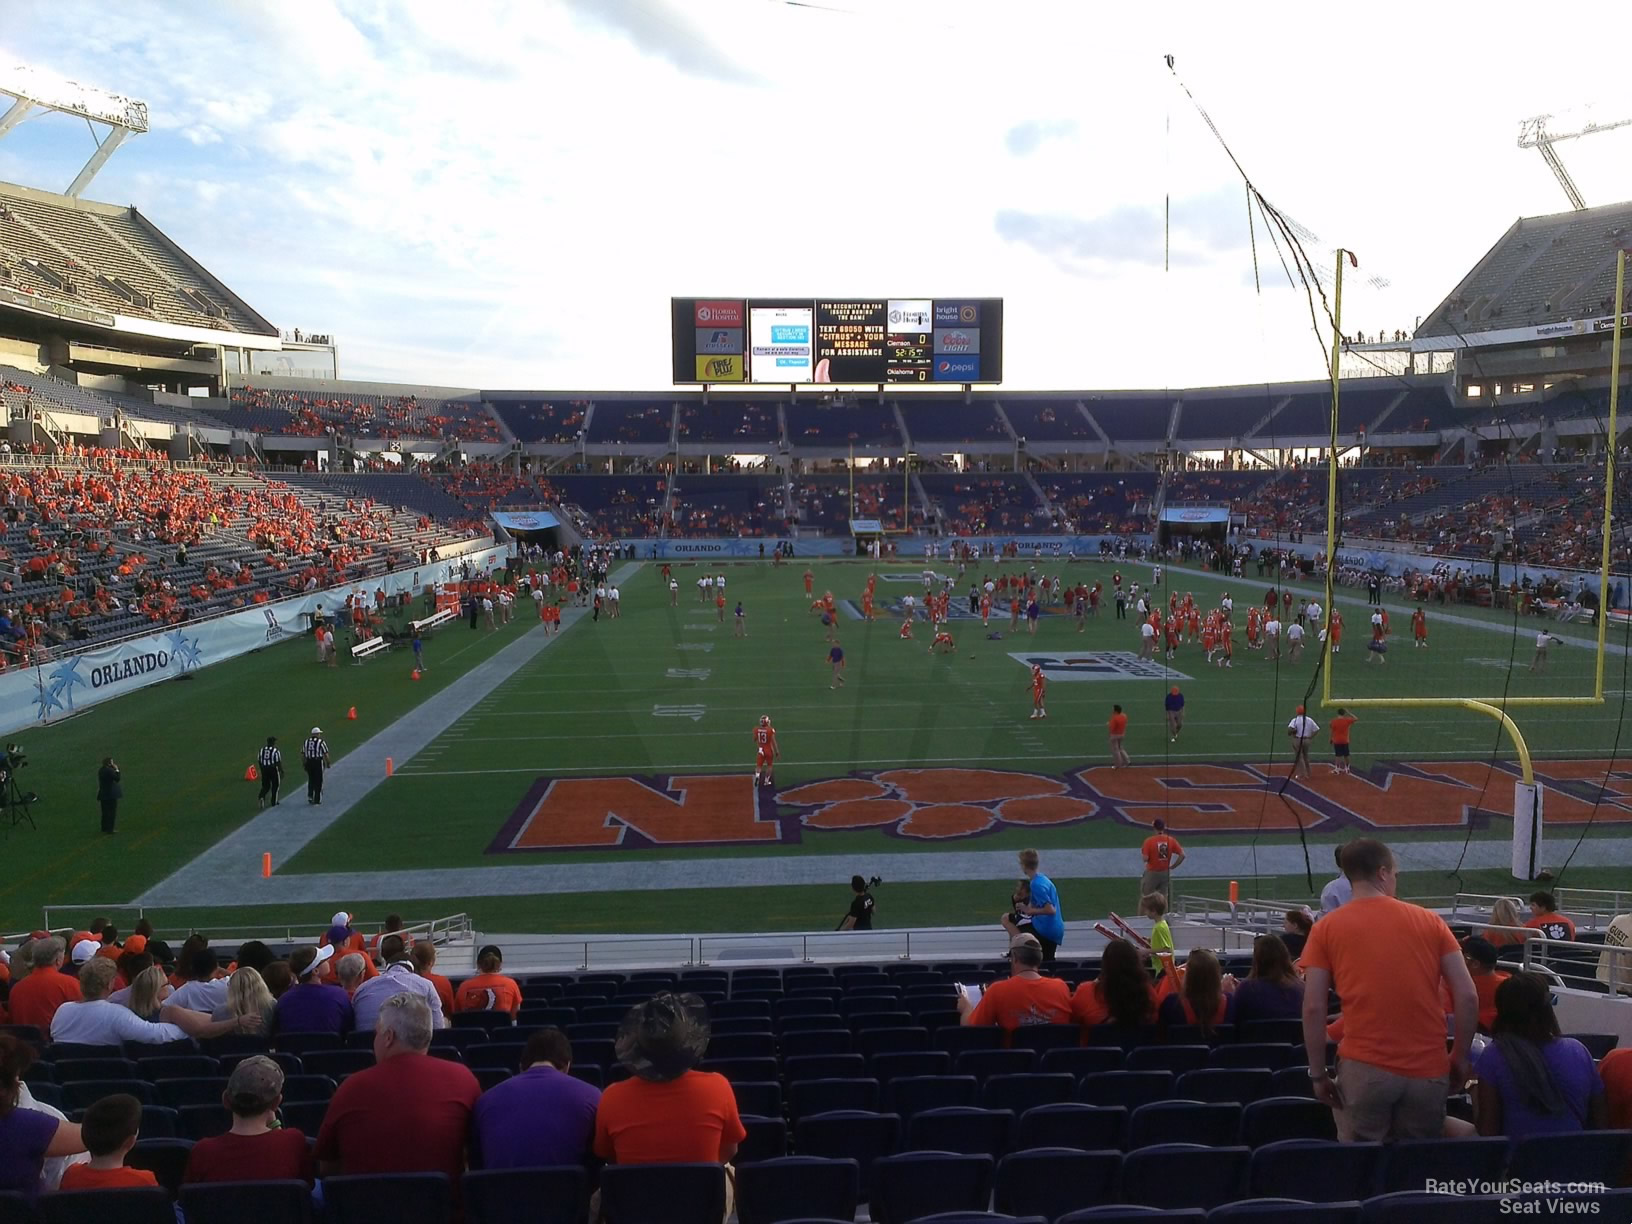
(271, 760)
(315, 754)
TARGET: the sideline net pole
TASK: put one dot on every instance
(1331, 487)
(1609, 465)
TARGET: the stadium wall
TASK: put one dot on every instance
(836, 546)
(1395, 562)
(36, 696)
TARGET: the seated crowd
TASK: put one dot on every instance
(1133, 1052)
(372, 416)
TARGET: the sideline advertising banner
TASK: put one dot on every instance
(35, 696)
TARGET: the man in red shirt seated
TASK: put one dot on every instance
(409, 1113)
(1026, 997)
(35, 999)
(256, 1148)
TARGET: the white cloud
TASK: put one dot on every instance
(508, 191)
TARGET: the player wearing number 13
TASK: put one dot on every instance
(765, 751)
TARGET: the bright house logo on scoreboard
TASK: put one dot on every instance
(1098, 665)
(957, 314)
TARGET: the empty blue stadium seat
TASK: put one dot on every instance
(1129, 1089)
(1184, 1175)
(1285, 1211)
(1315, 1170)
(144, 1205)
(1021, 1092)
(267, 1202)
(1434, 1209)
(1216, 1124)
(913, 1185)
(558, 1194)
(794, 1186)
(1052, 1182)
(849, 1134)
(816, 1096)
(1242, 1085)
(675, 1193)
(963, 1129)
(1409, 1164)
(913, 1094)
(1073, 1125)
(1273, 1118)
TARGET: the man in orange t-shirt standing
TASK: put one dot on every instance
(1162, 853)
(1387, 960)
(1026, 997)
(1339, 727)
(1116, 731)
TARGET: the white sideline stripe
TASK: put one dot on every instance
(651, 874)
(230, 869)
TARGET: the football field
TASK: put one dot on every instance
(602, 780)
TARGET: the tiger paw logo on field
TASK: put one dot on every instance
(936, 803)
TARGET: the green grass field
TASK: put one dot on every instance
(571, 764)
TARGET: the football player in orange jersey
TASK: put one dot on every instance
(867, 604)
(906, 627)
(1419, 629)
(943, 642)
(1226, 635)
(764, 752)
(985, 611)
(1039, 686)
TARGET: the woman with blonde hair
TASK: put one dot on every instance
(148, 992)
(247, 995)
(1505, 913)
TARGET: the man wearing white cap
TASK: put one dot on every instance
(315, 754)
(314, 1004)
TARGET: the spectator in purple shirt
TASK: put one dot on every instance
(1531, 1080)
(544, 1116)
(313, 1004)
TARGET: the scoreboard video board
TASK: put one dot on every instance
(838, 340)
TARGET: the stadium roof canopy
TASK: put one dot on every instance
(1546, 277)
(107, 266)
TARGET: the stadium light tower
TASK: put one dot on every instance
(32, 90)
(1533, 134)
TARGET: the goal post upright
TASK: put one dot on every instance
(1527, 793)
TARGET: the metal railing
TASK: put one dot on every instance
(449, 929)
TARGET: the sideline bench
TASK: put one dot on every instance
(362, 650)
(445, 616)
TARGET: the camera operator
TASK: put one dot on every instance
(860, 917)
(108, 793)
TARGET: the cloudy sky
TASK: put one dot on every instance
(506, 194)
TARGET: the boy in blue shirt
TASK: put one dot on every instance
(1047, 920)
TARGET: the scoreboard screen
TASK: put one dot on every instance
(827, 340)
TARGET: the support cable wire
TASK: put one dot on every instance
(1309, 281)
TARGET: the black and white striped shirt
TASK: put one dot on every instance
(315, 749)
(271, 758)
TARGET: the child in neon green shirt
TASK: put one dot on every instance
(1154, 906)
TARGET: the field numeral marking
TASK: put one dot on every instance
(689, 673)
(693, 712)
(705, 647)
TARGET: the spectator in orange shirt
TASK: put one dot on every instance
(1117, 731)
(35, 999)
(489, 990)
(1386, 959)
(1162, 853)
(1482, 961)
(1026, 997)
(393, 926)
(1121, 994)
(667, 1112)
(423, 954)
(1616, 1072)
(110, 1128)
(1544, 917)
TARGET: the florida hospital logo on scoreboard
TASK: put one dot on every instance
(1098, 665)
